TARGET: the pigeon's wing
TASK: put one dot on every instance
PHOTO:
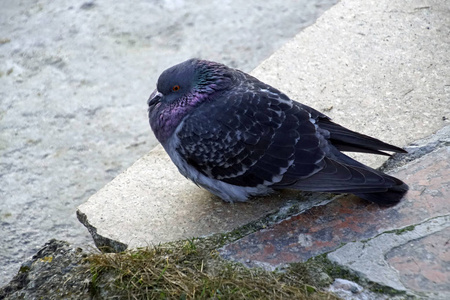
(250, 138)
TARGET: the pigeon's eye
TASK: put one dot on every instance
(176, 88)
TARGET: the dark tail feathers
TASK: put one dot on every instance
(390, 197)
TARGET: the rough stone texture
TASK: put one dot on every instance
(54, 272)
(74, 80)
(379, 67)
(352, 291)
(419, 148)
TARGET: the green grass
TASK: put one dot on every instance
(193, 270)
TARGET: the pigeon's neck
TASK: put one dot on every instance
(213, 77)
(164, 120)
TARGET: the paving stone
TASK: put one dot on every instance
(424, 264)
(369, 259)
(324, 228)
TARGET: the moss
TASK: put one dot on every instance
(385, 290)
(5, 215)
(405, 229)
(336, 271)
(24, 269)
(396, 231)
(292, 208)
(332, 269)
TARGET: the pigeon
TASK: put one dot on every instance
(238, 137)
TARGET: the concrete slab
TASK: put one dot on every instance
(152, 203)
(379, 67)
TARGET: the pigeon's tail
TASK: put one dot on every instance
(390, 197)
(342, 174)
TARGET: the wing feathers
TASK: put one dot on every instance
(259, 138)
(347, 140)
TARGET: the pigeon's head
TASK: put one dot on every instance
(182, 88)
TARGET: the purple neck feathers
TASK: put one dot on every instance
(164, 119)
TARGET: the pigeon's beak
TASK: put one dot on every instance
(155, 97)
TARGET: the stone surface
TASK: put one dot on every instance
(384, 73)
(374, 259)
(405, 247)
(424, 264)
(55, 272)
(74, 80)
(352, 291)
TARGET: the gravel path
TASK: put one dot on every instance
(74, 80)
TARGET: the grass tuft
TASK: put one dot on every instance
(192, 269)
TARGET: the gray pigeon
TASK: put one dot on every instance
(239, 137)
